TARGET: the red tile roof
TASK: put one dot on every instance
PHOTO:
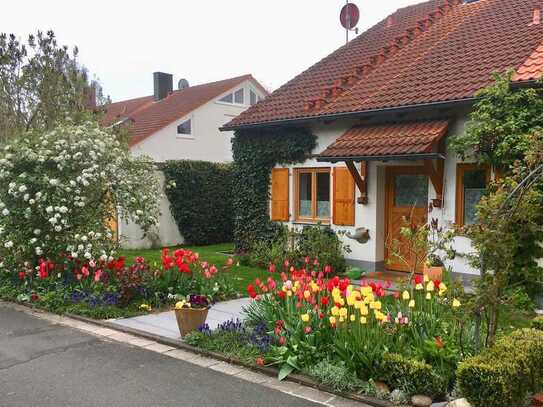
(436, 51)
(147, 116)
(388, 140)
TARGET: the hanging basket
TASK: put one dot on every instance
(190, 319)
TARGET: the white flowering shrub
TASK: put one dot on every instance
(59, 189)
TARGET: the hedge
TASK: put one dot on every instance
(200, 195)
(537, 322)
(505, 374)
(411, 376)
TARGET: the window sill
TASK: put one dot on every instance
(184, 137)
(325, 222)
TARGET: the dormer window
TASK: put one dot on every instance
(253, 97)
(235, 98)
(185, 128)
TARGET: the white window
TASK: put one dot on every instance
(253, 98)
(234, 98)
(185, 128)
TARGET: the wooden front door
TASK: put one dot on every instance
(406, 196)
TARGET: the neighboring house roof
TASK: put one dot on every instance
(145, 116)
(437, 51)
(384, 140)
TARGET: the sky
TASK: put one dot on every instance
(123, 42)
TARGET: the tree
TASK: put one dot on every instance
(58, 189)
(506, 131)
(41, 84)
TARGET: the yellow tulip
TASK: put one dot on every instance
(419, 287)
(456, 303)
(336, 293)
(363, 320)
(430, 286)
(332, 320)
(343, 312)
(341, 319)
(305, 317)
(307, 294)
(412, 304)
(289, 293)
(341, 302)
(334, 311)
(364, 310)
(428, 296)
(352, 318)
(375, 305)
(358, 304)
(406, 295)
(366, 291)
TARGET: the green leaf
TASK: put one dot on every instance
(285, 370)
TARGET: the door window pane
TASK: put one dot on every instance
(305, 195)
(323, 194)
(474, 189)
(411, 190)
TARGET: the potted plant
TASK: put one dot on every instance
(433, 267)
(191, 313)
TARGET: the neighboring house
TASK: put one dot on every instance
(180, 124)
(382, 108)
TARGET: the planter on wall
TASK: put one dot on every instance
(190, 319)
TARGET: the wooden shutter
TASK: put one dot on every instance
(343, 197)
(279, 195)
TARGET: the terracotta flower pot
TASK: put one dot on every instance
(433, 272)
(190, 319)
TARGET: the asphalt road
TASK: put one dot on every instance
(47, 365)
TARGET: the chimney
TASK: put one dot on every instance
(163, 85)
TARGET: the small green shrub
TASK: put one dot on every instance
(506, 373)
(200, 195)
(317, 242)
(335, 375)
(411, 376)
(537, 322)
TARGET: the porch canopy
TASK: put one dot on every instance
(420, 140)
(410, 140)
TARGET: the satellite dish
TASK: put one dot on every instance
(182, 84)
(349, 16)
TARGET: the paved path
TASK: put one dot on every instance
(164, 323)
(45, 363)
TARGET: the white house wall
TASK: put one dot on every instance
(371, 255)
(206, 143)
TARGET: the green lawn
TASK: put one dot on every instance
(241, 275)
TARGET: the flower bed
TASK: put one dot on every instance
(327, 328)
(109, 287)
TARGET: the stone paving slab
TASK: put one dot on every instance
(165, 324)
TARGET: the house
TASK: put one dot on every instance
(180, 124)
(382, 108)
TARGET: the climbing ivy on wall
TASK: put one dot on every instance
(256, 152)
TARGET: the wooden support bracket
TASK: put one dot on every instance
(435, 173)
(360, 179)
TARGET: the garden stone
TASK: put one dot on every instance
(421, 401)
(459, 403)
(397, 396)
(440, 404)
